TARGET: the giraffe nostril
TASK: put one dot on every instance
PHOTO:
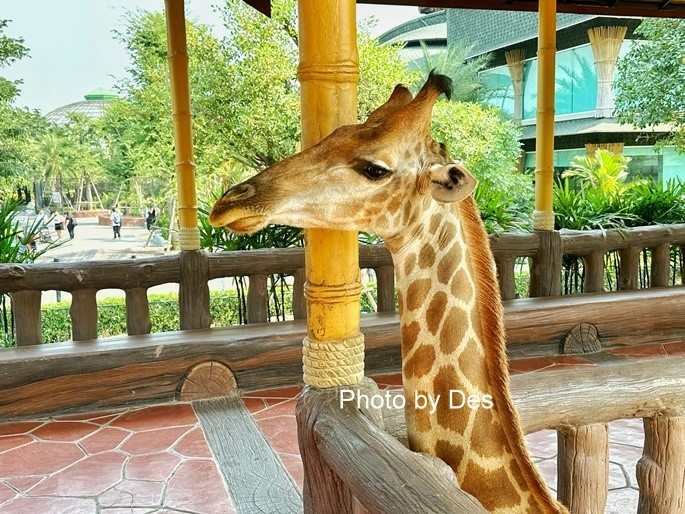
(239, 192)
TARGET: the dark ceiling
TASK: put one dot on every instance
(660, 8)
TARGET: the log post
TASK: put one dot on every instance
(594, 272)
(257, 299)
(137, 312)
(385, 287)
(505, 276)
(583, 467)
(27, 317)
(193, 291)
(545, 272)
(84, 314)
(661, 265)
(629, 268)
(299, 302)
(661, 470)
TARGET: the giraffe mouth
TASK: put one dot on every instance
(248, 224)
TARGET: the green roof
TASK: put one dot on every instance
(100, 93)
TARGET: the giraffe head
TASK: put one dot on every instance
(358, 177)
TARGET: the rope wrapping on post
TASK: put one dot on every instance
(189, 238)
(543, 220)
(333, 363)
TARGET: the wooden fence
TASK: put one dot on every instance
(193, 270)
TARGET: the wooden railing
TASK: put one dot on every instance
(193, 270)
(345, 450)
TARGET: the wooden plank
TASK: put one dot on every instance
(27, 317)
(71, 276)
(545, 271)
(256, 479)
(257, 299)
(193, 291)
(150, 367)
(382, 474)
(582, 242)
(137, 312)
(84, 314)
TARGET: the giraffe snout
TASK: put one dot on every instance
(239, 192)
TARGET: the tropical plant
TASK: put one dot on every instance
(603, 171)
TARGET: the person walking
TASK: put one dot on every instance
(71, 223)
(115, 218)
(58, 220)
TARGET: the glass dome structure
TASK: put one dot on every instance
(93, 106)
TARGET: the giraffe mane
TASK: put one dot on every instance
(492, 330)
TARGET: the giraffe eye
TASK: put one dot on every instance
(374, 171)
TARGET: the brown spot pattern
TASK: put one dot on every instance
(436, 311)
(435, 223)
(421, 417)
(407, 213)
(473, 367)
(417, 292)
(445, 381)
(410, 334)
(500, 492)
(449, 264)
(487, 439)
(450, 453)
(460, 286)
(453, 330)
(409, 264)
(421, 362)
(426, 257)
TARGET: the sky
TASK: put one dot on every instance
(72, 50)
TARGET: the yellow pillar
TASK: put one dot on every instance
(189, 234)
(543, 216)
(328, 73)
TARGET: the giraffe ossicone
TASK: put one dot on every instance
(388, 176)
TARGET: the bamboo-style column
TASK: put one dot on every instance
(515, 62)
(182, 119)
(543, 216)
(328, 74)
(193, 288)
(606, 43)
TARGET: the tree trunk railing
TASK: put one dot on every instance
(193, 270)
(356, 449)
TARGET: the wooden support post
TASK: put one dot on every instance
(27, 317)
(385, 287)
(661, 265)
(661, 470)
(193, 292)
(137, 312)
(629, 268)
(299, 302)
(257, 299)
(545, 273)
(84, 314)
(594, 272)
(583, 468)
(505, 276)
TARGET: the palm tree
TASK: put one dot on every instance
(604, 171)
(456, 64)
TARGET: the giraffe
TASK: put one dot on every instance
(390, 177)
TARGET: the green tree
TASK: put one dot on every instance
(651, 80)
(11, 49)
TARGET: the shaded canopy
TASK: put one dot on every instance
(657, 8)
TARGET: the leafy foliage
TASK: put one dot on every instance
(604, 171)
(651, 81)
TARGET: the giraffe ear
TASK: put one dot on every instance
(451, 183)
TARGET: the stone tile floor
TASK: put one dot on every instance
(156, 459)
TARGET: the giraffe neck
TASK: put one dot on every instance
(454, 364)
